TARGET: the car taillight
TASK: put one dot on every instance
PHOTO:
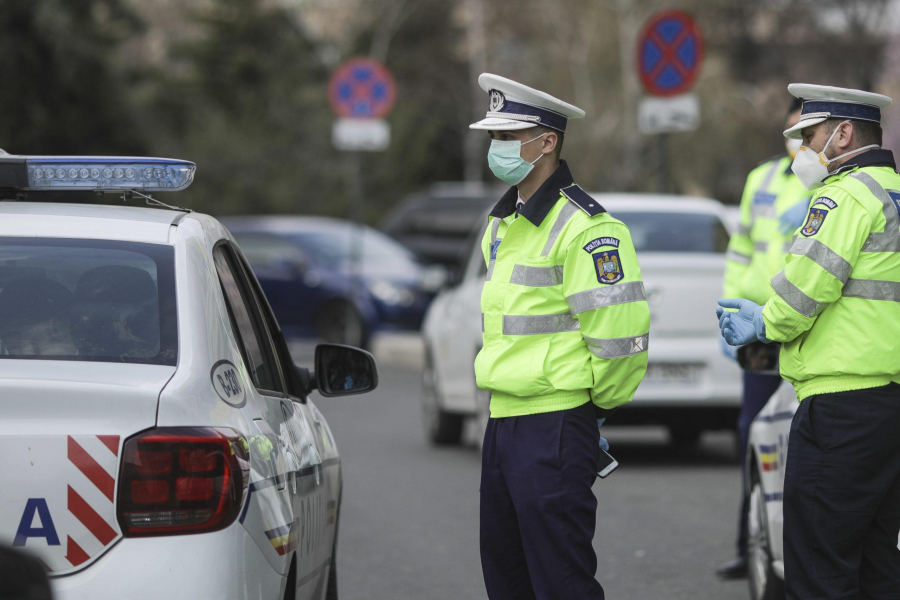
(179, 480)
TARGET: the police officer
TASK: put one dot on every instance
(773, 205)
(836, 311)
(566, 327)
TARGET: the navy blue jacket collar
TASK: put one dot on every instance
(544, 199)
(878, 157)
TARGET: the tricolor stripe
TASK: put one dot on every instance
(285, 538)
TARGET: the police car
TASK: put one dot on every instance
(156, 439)
(690, 387)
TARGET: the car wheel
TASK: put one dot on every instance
(340, 323)
(764, 583)
(331, 593)
(441, 427)
(684, 438)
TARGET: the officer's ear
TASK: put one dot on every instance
(551, 142)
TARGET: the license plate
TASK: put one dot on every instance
(668, 373)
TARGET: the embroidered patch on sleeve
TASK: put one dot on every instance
(600, 242)
(608, 266)
(825, 201)
(814, 221)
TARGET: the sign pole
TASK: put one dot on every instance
(357, 212)
(662, 170)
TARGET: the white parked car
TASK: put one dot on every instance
(156, 439)
(690, 386)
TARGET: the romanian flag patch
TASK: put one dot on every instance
(768, 456)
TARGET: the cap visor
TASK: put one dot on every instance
(495, 124)
(795, 132)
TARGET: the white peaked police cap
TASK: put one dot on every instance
(821, 102)
(516, 106)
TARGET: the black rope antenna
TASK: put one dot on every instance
(151, 201)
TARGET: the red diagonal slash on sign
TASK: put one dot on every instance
(669, 53)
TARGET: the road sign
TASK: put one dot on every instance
(362, 88)
(361, 135)
(666, 115)
(670, 53)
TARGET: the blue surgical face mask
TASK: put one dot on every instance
(506, 162)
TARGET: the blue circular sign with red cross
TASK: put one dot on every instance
(670, 52)
(362, 88)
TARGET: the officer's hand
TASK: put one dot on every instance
(744, 326)
(793, 217)
(603, 443)
(728, 351)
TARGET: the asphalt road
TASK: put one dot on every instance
(409, 524)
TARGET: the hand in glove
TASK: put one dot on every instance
(744, 326)
(728, 351)
(793, 217)
(603, 443)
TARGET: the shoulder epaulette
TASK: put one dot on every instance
(582, 200)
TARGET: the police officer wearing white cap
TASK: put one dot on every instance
(566, 328)
(835, 309)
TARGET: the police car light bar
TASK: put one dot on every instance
(94, 173)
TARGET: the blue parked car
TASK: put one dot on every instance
(335, 280)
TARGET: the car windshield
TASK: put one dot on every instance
(675, 231)
(89, 300)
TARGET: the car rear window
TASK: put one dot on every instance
(675, 231)
(89, 300)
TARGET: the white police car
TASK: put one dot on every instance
(156, 439)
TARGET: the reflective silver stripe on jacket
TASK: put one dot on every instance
(537, 276)
(495, 227)
(764, 210)
(482, 322)
(795, 297)
(743, 229)
(786, 247)
(760, 246)
(889, 240)
(536, 324)
(565, 214)
(618, 347)
(872, 289)
(823, 256)
(632, 291)
(735, 256)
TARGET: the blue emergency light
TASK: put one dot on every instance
(94, 173)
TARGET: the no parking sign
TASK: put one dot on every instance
(362, 92)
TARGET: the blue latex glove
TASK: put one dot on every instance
(728, 351)
(744, 326)
(603, 443)
(793, 217)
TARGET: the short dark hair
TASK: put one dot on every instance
(560, 137)
(865, 133)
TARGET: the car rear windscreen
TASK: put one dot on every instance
(675, 231)
(90, 300)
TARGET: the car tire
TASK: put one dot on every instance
(764, 582)
(331, 592)
(340, 323)
(441, 427)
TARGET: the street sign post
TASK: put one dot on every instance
(362, 92)
(669, 57)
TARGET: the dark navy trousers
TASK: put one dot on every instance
(538, 511)
(758, 388)
(842, 497)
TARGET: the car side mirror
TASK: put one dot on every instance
(759, 357)
(343, 371)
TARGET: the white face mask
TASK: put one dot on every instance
(792, 146)
(811, 167)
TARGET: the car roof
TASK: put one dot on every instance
(620, 202)
(89, 221)
(286, 224)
